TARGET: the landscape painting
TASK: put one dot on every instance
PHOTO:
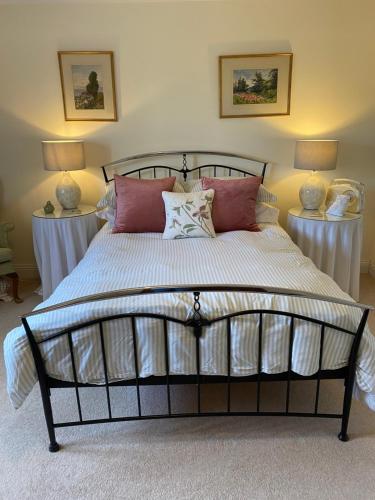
(255, 86)
(88, 85)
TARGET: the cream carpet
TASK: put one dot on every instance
(215, 458)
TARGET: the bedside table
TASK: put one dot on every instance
(332, 243)
(60, 241)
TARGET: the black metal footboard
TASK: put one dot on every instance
(196, 324)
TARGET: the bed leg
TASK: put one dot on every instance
(53, 444)
(349, 379)
(44, 388)
(13, 277)
(343, 434)
(343, 437)
(53, 447)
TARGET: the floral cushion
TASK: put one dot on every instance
(188, 215)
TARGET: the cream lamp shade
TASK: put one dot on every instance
(315, 155)
(65, 156)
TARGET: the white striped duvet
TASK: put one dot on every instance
(116, 261)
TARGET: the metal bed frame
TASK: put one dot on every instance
(185, 170)
(196, 325)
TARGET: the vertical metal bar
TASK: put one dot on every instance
(264, 171)
(136, 365)
(105, 175)
(319, 369)
(70, 342)
(139, 174)
(166, 350)
(349, 381)
(230, 172)
(229, 354)
(290, 354)
(44, 387)
(105, 369)
(215, 171)
(260, 336)
(169, 172)
(154, 173)
(197, 333)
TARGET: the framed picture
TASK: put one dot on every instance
(255, 85)
(88, 85)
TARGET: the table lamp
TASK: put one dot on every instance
(65, 156)
(315, 155)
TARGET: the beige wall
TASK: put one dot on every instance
(167, 91)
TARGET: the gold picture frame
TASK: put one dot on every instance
(253, 85)
(88, 85)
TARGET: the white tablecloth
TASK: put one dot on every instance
(59, 244)
(334, 247)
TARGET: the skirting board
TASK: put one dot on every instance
(27, 272)
(365, 266)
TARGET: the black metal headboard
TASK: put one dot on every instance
(185, 170)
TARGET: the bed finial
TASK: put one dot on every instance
(184, 167)
(197, 321)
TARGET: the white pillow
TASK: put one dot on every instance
(263, 194)
(109, 198)
(108, 214)
(188, 215)
(266, 214)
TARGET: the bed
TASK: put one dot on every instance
(243, 307)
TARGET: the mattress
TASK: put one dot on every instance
(118, 261)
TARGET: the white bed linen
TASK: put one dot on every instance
(116, 261)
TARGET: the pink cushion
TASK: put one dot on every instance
(234, 203)
(139, 204)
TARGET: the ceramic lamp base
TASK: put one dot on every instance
(312, 194)
(68, 193)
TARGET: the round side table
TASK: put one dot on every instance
(332, 243)
(60, 241)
